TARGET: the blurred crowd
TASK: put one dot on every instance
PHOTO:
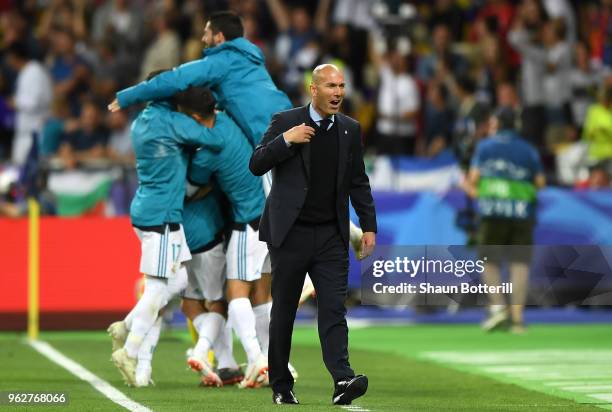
(423, 76)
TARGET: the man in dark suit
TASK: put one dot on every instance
(316, 159)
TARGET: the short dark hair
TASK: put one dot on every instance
(196, 100)
(602, 165)
(466, 84)
(228, 23)
(18, 49)
(57, 29)
(481, 114)
(506, 118)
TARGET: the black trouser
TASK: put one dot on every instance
(320, 251)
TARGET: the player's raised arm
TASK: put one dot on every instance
(204, 72)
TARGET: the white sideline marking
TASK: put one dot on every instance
(80, 372)
(603, 396)
(355, 408)
(524, 357)
(583, 382)
(509, 369)
(573, 371)
(587, 388)
(556, 375)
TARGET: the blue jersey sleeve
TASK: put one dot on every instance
(190, 132)
(208, 72)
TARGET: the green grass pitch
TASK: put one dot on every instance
(411, 368)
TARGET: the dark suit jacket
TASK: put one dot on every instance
(291, 176)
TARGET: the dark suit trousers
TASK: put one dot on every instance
(320, 251)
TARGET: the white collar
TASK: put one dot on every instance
(316, 117)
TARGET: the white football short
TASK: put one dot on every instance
(206, 275)
(245, 255)
(162, 254)
(267, 266)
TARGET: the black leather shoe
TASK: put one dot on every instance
(280, 398)
(349, 389)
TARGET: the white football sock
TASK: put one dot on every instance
(145, 353)
(262, 325)
(128, 319)
(178, 282)
(145, 313)
(494, 309)
(242, 318)
(209, 326)
(223, 348)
